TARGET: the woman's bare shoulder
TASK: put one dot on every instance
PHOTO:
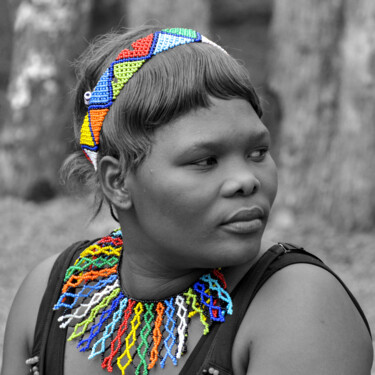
(303, 321)
(22, 317)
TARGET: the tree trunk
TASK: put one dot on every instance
(193, 14)
(353, 147)
(322, 67)
(5, 63)
(47, 37)
(241, 27)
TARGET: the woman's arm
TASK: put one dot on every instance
(302, 321)
(19, 333)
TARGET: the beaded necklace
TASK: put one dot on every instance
(126, 331)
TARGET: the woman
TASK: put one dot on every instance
(169, 125)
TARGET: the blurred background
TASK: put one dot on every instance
(313, 64)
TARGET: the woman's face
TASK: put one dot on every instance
(202, 197)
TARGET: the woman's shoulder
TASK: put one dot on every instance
(22, 317)
(303, 318)
(31, 292)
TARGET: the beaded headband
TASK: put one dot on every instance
(127, 63)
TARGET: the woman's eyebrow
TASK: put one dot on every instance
(254, 137)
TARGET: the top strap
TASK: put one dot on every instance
(214, 351)
(45, 331)
(301, 256)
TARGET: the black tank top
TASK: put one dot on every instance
(212, 351)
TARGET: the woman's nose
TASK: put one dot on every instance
(241, 182)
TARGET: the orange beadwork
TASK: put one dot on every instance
(96, 119)
(75, 281)
(156, 335)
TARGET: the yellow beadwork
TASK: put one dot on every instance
(96, 250)
(197, 307)
(86, 136)
(131, 338)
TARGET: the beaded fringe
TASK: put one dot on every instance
(125, 331)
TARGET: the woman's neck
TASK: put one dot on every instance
(144, 281)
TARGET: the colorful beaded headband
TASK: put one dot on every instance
(127, 63)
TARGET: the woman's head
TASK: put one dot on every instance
(202, 197)
(169, 85)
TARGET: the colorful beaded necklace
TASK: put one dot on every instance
(127, 331)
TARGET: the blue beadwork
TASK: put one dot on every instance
(84, 292)
(109, 329)
(169, 327)
(84, 344)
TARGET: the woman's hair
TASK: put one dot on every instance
(169, 85)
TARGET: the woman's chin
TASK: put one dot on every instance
(236, 256)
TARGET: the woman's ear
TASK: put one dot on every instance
(114, 188)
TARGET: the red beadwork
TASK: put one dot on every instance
(107, 362)
(141, 48)
(220, 276)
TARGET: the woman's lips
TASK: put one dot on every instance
(244, 221)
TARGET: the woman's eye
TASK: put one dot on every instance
(207, 162)
(258, 155)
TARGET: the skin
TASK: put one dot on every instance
(202, 169)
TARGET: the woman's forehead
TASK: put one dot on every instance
(204, 127)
